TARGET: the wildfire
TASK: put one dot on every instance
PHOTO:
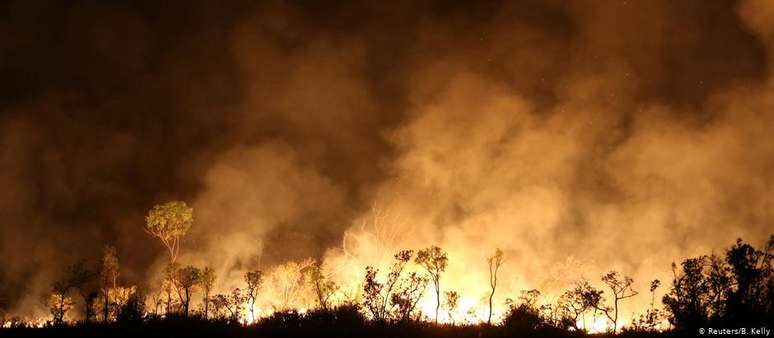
(597, 325)
(468, 311)
(36, 323)
(428, 284)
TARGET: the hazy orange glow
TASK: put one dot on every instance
(578, 138)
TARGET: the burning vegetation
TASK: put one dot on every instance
(736, 287)
(457, 167)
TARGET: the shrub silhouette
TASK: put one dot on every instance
(737, 289)
(732, 289)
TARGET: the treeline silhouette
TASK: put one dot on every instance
(734, 289)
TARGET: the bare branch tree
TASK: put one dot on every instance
(495, 261)
(407, 296)
(434, 260)
(621, 286)
(254, 280)
(377, 295)
(324, 287)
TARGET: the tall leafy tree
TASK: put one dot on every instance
(169, 222)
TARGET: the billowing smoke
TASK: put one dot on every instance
(576, 137)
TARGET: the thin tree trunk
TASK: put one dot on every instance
(489, 318)
(169, 301)
(106, 294)
(437, 298)
(187, 301)
(493, 284)
(60, 314)
(615, 321)
(206, 303)
(252, 311)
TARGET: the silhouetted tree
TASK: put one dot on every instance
(709, 289)
(377, 295)
(219, 304)
(157, 300)
(133, 309)
(686, 302)
(621, 287)
(229, 305)
(768, 265)
(169, 222)
(324, 288)
(254, 280)
(570, 308)
(550, 315)
(207, 281)
(372, 294)
(574, 303)
(58, 302)
(82, 279)
(654, 284)
(524, 316)
(495, 261)
(119, 296)
(529, 298)
(592, 299)
(108, 277)
(650, 321)
(719, 281)
(169, 285)
(235, 304)
(434, 260)
(407, 295)
(752, 275)
(452, 302)
(188, 279)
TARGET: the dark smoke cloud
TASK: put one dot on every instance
(284, 122)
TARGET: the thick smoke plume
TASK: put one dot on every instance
(576, 137)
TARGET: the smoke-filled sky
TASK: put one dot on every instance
(617, 134)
